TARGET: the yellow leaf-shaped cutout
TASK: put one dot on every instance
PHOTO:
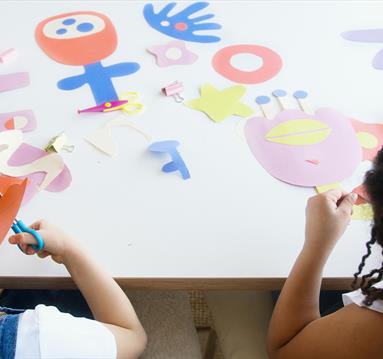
(299, 132)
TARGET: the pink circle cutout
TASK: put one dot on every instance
(272, 64)
(181, 26)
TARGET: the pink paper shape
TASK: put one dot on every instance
(161, 53)
(338, 155)
(375, 130)
(26, 154)
(14, 81)
(28, 114)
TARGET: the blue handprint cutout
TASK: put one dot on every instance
(180, 25)
(99, 80)
(372, 36)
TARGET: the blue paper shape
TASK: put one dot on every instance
(99, 80)
(180, 25)
(177, 163)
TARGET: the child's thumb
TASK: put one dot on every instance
(347, 203)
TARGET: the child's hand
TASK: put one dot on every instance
(327, 217)
(57, 243)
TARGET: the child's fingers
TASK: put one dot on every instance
(43, 254)
(22, 238)
(37, 225)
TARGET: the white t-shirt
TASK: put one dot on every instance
(357, 297)
(45, 333)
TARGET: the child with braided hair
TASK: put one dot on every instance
(297, 331)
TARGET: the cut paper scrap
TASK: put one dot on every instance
(12, 192)
(102, 138)
(328, 187)
(369, 36)
(26, 154)
(24, 121)
(370, 136)
(51, 164)
(8, 56)
(362, 195)
(173, 53)
(271, 64)
(304, 149)
(177, 163)
(182, 25)
(14, 81)
(362, 212)
(219, 105)
(84, 38)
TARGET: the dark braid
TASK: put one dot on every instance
(373, 183)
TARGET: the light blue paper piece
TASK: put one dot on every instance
(177, 163)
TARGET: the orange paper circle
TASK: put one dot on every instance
(272, 64)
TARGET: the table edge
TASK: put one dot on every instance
(12, 282)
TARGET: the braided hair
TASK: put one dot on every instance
(373, 183)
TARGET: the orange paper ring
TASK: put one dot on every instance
(272, 64)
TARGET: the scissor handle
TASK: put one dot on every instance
(20, 227)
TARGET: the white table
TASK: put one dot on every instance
(231, 225)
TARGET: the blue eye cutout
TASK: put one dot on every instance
(61, 31)
(180, 25)
(85, 27)
(69, 21)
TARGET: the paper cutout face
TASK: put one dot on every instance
(219, 105)
(77, 38)
(305, 150)
(84, 38)
(12, 191)
(181, 25)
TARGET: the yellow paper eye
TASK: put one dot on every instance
(367, 140)
(299, 132)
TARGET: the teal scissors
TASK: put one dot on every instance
(19, 226)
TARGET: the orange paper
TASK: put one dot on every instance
(12, 190)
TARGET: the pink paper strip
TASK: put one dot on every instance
(14, 81)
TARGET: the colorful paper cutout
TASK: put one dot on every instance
(299, 132)
(369, 36)
(336, 149)
(26, 154)
(177, 163)
(173, 53)
(24, 121)
(181, 25)
(368, 134)
(51, 164)
(102, 137)
(12, 192)
(362, 194)
(14, 81)
(84, 38)
(362, 212)
(272, 64)
(219, 105)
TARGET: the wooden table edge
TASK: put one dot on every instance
(333, 283)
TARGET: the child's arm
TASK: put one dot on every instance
(296, 330)
(105, 298)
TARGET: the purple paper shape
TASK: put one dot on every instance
(14, 81)
(173, 53)
(26, 154)
(369, 36)
(28, 114)
(338, 155)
